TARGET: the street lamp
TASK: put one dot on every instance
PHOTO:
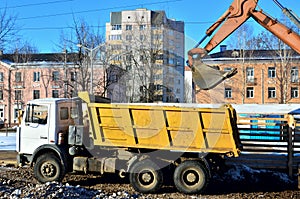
(9, 93)
(91, 52)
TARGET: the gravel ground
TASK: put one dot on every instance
(238, 182)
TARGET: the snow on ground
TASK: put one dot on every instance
(7, 141)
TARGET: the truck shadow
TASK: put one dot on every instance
(259, 182)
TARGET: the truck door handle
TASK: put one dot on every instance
(41, 137)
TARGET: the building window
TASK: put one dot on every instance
(115, 37)
(18, 76)
(1, 77)
(128, 58)
(73, 93)
(228, 93)
(55, 94)
(55, 76)
(1, 94)
(142, 58)
(294, 74)
(250, 74)
(36, 94)
(18, 95)
(128, 27)
(271, 72)
(250, 92)
(271, 92)
(2, 113)
(294, 92)
(116, 27)
(128, 37)
(73, 76)
(36, 76)
(143, 27)
(142, 37)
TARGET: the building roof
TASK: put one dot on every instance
(249, 53)
(38, 57)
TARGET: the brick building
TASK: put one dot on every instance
(264, 77)
(39, 76)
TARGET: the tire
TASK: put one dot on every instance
(48, 168)
(191, 177)
(146, 177)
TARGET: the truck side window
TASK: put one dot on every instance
(64, 113)
(37, 114)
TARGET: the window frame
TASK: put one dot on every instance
(228, 93)
(250, 92)
(271, 72)
(271, 92)
(294, 92)
(36, 76)
(36, 94)
(55, 75)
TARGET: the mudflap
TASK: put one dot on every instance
(208, 77)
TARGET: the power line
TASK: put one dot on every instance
(96, 10)
(35, 4)
(103, 26)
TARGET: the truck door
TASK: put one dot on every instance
(34, 129)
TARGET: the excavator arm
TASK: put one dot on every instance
(238, 13)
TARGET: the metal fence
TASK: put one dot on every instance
(270, 142)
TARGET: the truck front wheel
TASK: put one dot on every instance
(146, 177)
(190, 177)
(48, 168)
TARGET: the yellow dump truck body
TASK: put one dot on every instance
(163, 127)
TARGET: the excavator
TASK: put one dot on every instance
(207, 77)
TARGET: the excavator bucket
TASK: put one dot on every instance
(207, 77)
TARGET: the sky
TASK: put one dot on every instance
(41, 22)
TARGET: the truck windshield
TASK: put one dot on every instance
(36, 114)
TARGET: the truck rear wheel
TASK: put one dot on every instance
(146, 177)
(48, 168)
(190, 177)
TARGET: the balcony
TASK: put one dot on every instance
(18, 85)
(251, 81)
(294, 80)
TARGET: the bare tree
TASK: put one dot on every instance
(282, 57)
(22, 51)
(145, 61)
(82, 37)
(243, 44)
(8, 28)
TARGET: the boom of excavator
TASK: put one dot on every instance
(207, 77)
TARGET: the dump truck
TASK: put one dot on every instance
(148, 143)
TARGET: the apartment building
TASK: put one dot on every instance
(264, 77)
(150, 48)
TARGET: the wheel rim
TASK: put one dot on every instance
(48, 169)
(146, 178)
(191, 177)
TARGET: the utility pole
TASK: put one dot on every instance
(66, 75)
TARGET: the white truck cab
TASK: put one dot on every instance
(45, 122)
